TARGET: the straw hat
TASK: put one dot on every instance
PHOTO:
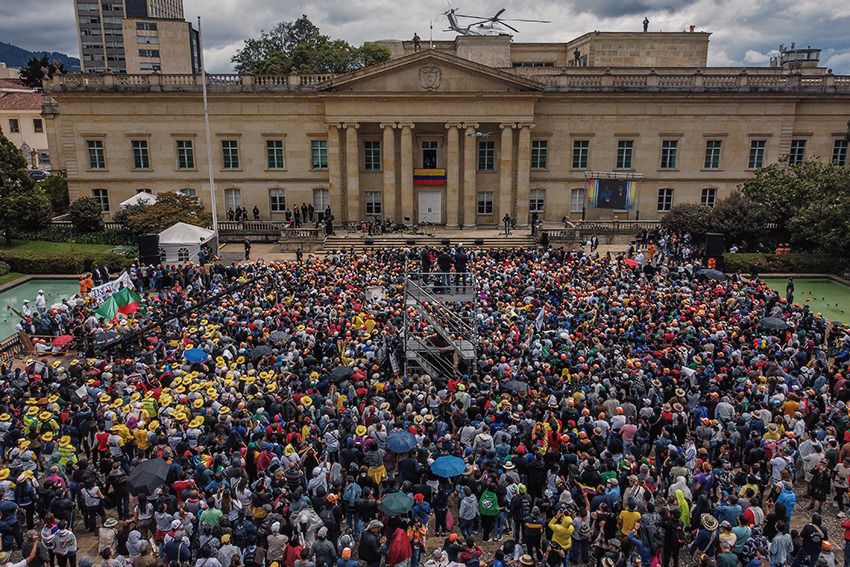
(65, 441)
(47, 437)
(198, 403)
(360, 431)
(45, 415)
(32, 410)
(709, 522)
(526, 559)
(306, 401)
(5, 417)
(197, 422)
(110, 523)
(23, 444)
(4, 473)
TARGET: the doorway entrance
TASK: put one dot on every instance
(431, 207)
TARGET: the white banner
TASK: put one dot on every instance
(101, 292)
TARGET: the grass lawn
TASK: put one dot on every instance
(36, 247)
(10, 277)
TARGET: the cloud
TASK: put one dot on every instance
(742, 32)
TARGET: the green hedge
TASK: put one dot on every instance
(65, 234)
(30, 263)
(785, 263)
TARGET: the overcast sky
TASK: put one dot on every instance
(743, 31)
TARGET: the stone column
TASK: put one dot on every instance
(453, 175)
(407, 171)
(335, 186)
(506, 174)
(388, 165)
(470, 143)
(523, 170)
(352, 172)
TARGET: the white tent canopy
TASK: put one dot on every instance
(182, 242)
(139, 198)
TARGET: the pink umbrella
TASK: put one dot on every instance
(630, 263)
(62, 340)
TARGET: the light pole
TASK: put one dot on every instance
(209, 135)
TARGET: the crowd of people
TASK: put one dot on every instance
(618, 412)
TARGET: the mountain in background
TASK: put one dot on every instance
(14, 56)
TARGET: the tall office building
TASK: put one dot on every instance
(122, 36)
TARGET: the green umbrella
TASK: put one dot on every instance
(396, 503)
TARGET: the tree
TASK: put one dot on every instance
(56, 188)
(169, 208)
(299, 47)
(740, 219)
(809, 201)
(86, 215)
(38, 69)
(22, 205)
(688, 217)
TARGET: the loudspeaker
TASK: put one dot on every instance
(444, 241)
(410, 241)
(148, 249)
(369, 241)
(715, 244)
(479, 241)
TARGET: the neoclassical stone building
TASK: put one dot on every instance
(458, 133)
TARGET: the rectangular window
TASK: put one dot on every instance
(230, 154)
(190, 192)
(757, 149)
(577, 200)
(669, 151)
(536, 201)
(797, 155)
(839, 152)
(319, 154)
(185, 154)
(625, 152)
(102, 197)
(146, 26)
(37, 125)
(485, 203)
(14, 127)
(97, 159)
(232, 199)
(149, 53)
(277, 201)
(665, 200)
(486, 156)
(708, 196)
(712, 154)
(539, 150)
(274, 154)
(371, 155)
(320, 200)
(141, 158)
(374, 202)
(581, 148)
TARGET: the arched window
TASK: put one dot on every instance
(183, 255)
(577, 200)
(232, 198)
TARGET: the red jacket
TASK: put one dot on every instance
(846, 525)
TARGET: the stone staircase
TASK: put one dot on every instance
(394, 241)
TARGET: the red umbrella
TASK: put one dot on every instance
(62, 340)
(630, 263)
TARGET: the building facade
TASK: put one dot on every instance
(22, 123)
(459, 138)
(105, 46)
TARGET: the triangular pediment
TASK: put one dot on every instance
(430, 72)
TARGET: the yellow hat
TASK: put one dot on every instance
(103, 398)
(5, 417)
(197, 422)
(180, 390)
(55, 364)
(65, 440)
(45, 415)
(240, 360)
(75, 362)
(194, 387)
(166, 400)
(212, 393)
(53, 399)
(23, 444)
(135, 397)
(153, 425)
(117, 403)
(32, 410)
(224, 410)
(47, 437)
(360, 431)
(198, 403)
(306, 401)
(4, 473)
(271, 387)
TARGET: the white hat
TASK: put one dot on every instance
(41, 291)
(175, 524)
(276, 527)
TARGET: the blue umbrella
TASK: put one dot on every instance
(401, 442)
(448, 466)
(195, 355)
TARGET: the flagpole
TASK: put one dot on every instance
(209, 135)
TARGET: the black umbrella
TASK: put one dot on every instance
(261, 351)
(716, 275)
(773, 323)
(515, 386)
(341, 374)
(147, 476)
(105, 338)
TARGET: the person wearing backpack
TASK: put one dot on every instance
(813, 535)
(350, 495)
(488, 508)
(582, 535)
